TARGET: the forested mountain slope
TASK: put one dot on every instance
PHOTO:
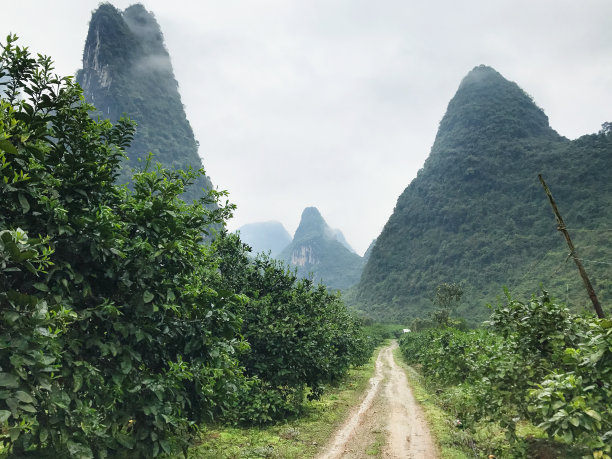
(127, 70)
(322, 251)
(477, 215)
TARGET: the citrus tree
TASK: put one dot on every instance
(112, 340)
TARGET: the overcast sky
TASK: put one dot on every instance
(336, 103)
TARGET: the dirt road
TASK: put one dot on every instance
(388, 423)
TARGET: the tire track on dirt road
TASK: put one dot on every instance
(388, 408)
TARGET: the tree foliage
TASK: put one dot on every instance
(112, 339)
(536, 361)
(121, 325)
(301, 336)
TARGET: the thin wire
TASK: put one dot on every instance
(598, 262)
(602, 230)
(534, 265)
(560, 266)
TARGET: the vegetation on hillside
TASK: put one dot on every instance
(127, 70)
(121, 328)
(317, 252)
(476, 214)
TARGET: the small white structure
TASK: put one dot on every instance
(406, 330)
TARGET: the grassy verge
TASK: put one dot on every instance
(298, 438)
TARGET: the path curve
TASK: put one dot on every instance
(388, 409)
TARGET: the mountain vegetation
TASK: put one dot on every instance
(127, 70)
(265, 237)
(477, 216)
(123, 329)
(316, 250)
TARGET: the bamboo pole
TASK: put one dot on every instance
(561, 227)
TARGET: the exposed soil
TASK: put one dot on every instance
(388, 423)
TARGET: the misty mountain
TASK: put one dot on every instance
(477, 215)
(340, 238)
(265, 237)
(127, 71)
(316, 249)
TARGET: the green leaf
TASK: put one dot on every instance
(147, 296)
(165, 446)
(28, 408)
(126, 366)
(8, 147)
(125, 440)
(594, 414)
(25, 205)
(568, 436)
(11, 316)
(14, 433)
(118, 252)
(24, 397)
(4, 415)
(574, 421)
(9, 380)
(78, 382)
(41, 286)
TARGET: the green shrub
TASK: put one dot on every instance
(112, 338)
(301, 337)
(535, 361)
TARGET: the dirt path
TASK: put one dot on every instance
(388, 423)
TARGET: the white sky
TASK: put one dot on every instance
(336, 103)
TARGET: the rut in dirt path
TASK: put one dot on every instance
(388, 410)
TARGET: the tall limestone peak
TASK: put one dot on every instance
(488, 104)
(312, 224)
(127, 70)
(476, 213)
(318, 249)
(142, 23)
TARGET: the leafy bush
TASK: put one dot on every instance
(112, 337)
(535, 362)
(575, 402)
(120, 327)
(301, 337)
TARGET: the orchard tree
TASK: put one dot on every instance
(447, 298)
(112, 340)
(301, 337)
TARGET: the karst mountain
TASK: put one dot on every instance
(320, 251)
(476, 213)
(127, 71)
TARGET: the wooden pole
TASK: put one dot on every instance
(561, 227)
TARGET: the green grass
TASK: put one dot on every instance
(299, 438)
(375, 449)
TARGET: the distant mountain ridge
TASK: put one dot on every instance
(265, 237)
(127, 70)
(477, 215)
(318, 249)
